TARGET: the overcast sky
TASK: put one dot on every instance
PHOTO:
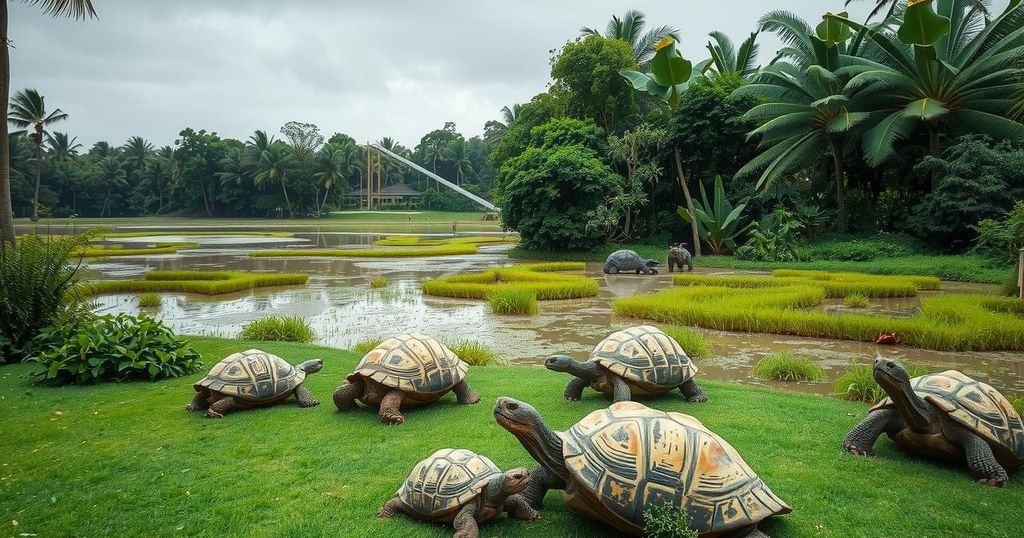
(369, 69)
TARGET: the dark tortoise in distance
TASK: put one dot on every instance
(252, 378)
(639, 361)
(947, 416)
(406, 371)
(462, 488)
(617, 461)
(625, 261)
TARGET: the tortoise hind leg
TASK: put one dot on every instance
(982, 462)
(863, 436)
(620, 390)
(305, 397)
(693, 392)
(391, 508)
(345, 396)
(222, 407)
(390, 406)
(464, 394)
(200, 402)
(465, 524)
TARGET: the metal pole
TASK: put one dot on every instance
(379, 181)
(1020, 274)
(367, 178)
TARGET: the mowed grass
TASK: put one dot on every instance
(203, 282)
(780, 305)
(414, 252)
(127, 460)
(543, 278)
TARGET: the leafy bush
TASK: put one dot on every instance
(365, 346)
(278, 329)
(36, 286)
(690, 340)
(513, 300)
(663, 520)
(113, 348)
(785, 366)
(774, 239)
(858, 383)
(379, 282)
(1003, 239)
(474, 353)
(149, 300)
(856, 300)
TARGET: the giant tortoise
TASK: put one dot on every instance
(252, 378)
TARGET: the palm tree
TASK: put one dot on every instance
(806, 113)
(460, 160)
(630, 28)
(101, 150)
(62, 148)
(495, 130)
(334, 165)
(135, 153)
(437, 150)
(236, 166)
(77, 9)
(272, 166)
(889, 6)
(112, 175)
(29, 110)
(160, 171)
(726, 58)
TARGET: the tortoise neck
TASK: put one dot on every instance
(588, 371)
(917, 413)
(496, 494)
(546, 447)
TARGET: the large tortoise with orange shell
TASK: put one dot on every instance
(619, 461)
(406, 371)
(947, 416)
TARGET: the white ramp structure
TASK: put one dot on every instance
(435, 177)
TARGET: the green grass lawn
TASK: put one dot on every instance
(127, 460)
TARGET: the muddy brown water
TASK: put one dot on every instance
(342, 308)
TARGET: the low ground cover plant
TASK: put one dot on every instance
(775, 305)
(856, 300)
(442, 250)
(663, 520)
(149, 300)
(540, 277)
(112, 348)
(474, 353)
(278, 329)
(785, 366)
(204, 282)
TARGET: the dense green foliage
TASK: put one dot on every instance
(666, 521)
(186, 468)
(587, 71)
(36, 279)
(1003, 239)
(278, 329)
(112, 348)
(785, 366)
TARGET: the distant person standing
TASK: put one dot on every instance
(455, 227)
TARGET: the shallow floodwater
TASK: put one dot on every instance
(342, 308)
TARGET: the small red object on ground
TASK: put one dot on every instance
(887, 339)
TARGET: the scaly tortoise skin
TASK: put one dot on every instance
(457, 486)
(639, 361)
(945, 415)
(616, 462)
(409, 370)
(252, 378)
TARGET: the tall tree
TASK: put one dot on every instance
(304, 138)
(272, 166)
(61, 147)
(726, 58)
(110, 175)
(630, 28)
(586, 71)
(76, 9)
(28, 110)
(135, 153)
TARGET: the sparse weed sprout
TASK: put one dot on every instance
(785, 366)
(278, 329)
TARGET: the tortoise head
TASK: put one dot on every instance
(559, 363)
(516, 480)
(519, 418)
(311, 367)
(524, 422)
(890, 374)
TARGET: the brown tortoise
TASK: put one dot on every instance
(459, 487)
(406, 371)
(252, 378)
(616, 462)
(947, 416)
(639, 361)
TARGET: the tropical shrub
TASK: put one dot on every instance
(774, 239)
(278, 329)
(718, 224)
(513, 300)
(785, 366)
(36, 285)
(1003, 238)
(664, 520)
(112, 348)
(149, 300)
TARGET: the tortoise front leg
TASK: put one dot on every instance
(620, 390)
(693, 392)
(390, 406)
(305, 397)
(222, 407)
(518, 508)
(982, 462)
(540, 483)
(200, 402)
(391, 508)
(465, 523)
(345, 396)
(574, 391)
(464, 394)
(863, 436)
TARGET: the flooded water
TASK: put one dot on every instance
(340, 305)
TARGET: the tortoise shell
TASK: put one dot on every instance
(629, 456)
(976, 406)
(415, 363)
(252, 376)
(649, 360)
(445, 482)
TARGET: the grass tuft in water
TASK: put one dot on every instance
(858, 383)
(539, 277)
(856, 300)
(691, 340)
(785, 366)
(278, 329)
(513, 300)
(363, 347)
(149, 300)
(378, 282)
(475, 353)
